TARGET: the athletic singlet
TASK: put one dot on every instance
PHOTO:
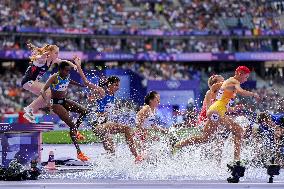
(61, 85)
(150, 120)
(106, 104)
(220, 96)
(202, 117)
(224, 98)
(35, 72)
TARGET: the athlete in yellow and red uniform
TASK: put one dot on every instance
(216, 112)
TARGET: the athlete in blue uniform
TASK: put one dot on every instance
(105, 125)
(58, 84)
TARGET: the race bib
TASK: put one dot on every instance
(214, 117)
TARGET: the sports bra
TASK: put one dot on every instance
(61, 85)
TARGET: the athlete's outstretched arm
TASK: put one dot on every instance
(77, 61)
(99, 92)
(243, 92)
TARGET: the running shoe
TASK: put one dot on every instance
(81, 156)
(79, 136)
(28, 115)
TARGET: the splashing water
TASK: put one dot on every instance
(192, 163)
(198, 162)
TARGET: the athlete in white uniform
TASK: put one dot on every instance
(146, 120)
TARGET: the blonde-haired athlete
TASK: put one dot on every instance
(214, 84)
(42, 58)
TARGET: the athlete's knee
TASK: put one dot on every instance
(99, 132)
(206, 136)
(123, 129)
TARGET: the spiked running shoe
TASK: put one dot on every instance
(79, 136)
(28, 115)
(81, 156)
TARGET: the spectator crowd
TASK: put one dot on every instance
(179, 14)
(166, 15)
(140, 45)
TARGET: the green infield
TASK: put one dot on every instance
(62, 137)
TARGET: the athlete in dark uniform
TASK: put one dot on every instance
(41, 60)
(58, 84)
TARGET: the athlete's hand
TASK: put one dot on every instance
(77, 61)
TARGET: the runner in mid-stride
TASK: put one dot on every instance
(216, 112)
(58, 84)
(42, 59)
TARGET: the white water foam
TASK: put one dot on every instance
(196, 162)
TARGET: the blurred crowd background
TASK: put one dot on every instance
(117, 26)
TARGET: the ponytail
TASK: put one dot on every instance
(38, 51)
